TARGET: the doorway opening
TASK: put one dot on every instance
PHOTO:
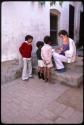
(71, 21)
(54, 17)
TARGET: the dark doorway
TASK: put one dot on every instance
(81, 35)
(53, 28)
(71, 21)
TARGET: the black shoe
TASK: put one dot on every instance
(39, 75)
(60, 70)
(42, 76)
(46, 80)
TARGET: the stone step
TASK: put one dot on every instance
(10, 70)
(68, 77)
(73, 75)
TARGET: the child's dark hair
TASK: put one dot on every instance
(63, 32)
(39, 44)
(27, 37)
(47, 39)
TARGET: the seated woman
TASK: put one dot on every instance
(67, 53)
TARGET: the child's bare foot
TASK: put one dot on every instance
(46, 80)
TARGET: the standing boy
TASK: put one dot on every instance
(39, 45)
(46, 54)
(25, 50)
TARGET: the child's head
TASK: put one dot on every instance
(29, 38)
(47, 40)
(39, 44)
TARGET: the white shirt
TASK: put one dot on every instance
(46, 53)
(71, 53)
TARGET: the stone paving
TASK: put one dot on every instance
(73, 73)
(36, 101)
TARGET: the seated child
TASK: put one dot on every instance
(39, 45)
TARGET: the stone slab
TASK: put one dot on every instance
(10, 70)
(73, 75)
(73, 98)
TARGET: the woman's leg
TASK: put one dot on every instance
(59, 59)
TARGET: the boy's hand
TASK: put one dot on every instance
(45, 62)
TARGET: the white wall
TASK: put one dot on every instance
(63, 21)
(18, 20)
(64, 14)
(21, 18)
(78, 8)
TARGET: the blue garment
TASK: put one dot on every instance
(65, 47)
(60, 70)
(38, 53)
